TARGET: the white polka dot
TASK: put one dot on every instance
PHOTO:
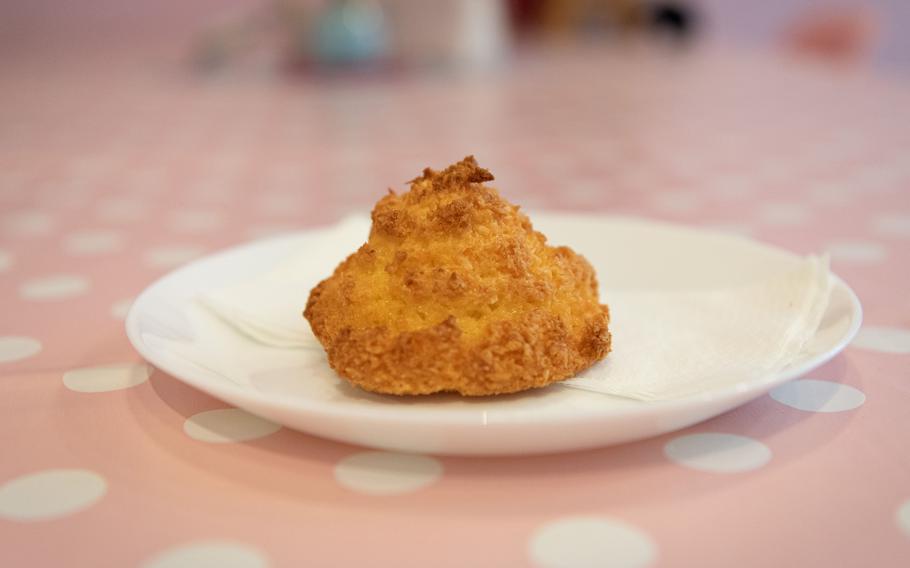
(730, 187)
(685, 166)
(875, 179)
(677, 202)
(120, 308)
(281, 203)
(266, 231)
(50, 494)
(892, 225)
(636, 178)
(227, 425)
(554, 165)
(93, 165)
(6, 260)
(121, 209)
(884, 339)
(903, 517)
(774, 171)
(12, 181)
(215, 192)
(14, 348)
(818, 396)
(92, 242)
(167, 256)
(106, 377)
(581, 192)
(831, 194)
(387, 473)
(27, 223)
(195, 221)
(857, 251)
(209, 554)
(147, 180)
(591, 541)
(782, 214)
(717, 453)
(57, 287)
(740, 229)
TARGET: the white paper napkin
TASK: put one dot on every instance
(666, 344)
(268, 308)
(673, 344)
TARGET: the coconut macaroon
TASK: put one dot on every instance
(455, 291)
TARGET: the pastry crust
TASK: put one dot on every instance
(455, 291)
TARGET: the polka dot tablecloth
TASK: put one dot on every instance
(112, 174)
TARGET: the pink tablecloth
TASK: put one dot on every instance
(111, 176)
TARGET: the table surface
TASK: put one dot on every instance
(112, 174)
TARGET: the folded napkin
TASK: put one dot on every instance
(269, 308)
(672, 344)
(666, 344)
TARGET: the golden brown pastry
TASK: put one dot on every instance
(455, 291)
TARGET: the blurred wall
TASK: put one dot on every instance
(762, 22)
(30, 24)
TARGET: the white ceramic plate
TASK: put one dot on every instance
(627, 255)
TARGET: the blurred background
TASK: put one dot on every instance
(245, 117)
(409, 32)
